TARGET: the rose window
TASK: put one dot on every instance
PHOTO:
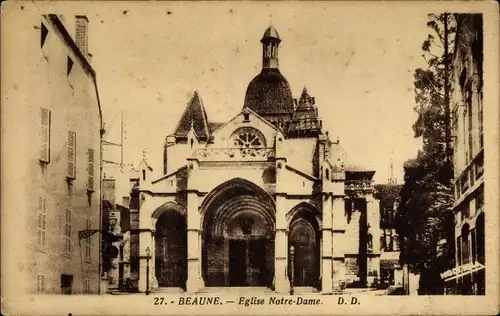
(248, 138)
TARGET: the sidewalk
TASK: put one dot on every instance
(257, 291)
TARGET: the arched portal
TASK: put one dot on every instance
(171, 250)
(304, 235)
(238, 235)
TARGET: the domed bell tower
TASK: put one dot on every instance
(270, 43)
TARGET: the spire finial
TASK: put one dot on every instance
(304, 91)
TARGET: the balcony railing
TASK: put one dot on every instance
(358, 184)
(234, 154)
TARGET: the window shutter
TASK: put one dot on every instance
(67, 232)
(44, 135)
(39, 283)
(88, 240)
(44, 220)
(41, 221)
(71, 155)
(91, 170)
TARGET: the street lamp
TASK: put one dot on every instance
(292, 262)
(148, 256)
(112, 224)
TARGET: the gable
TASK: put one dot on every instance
(246, 120)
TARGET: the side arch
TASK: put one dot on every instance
(168, 207)
(304, 234)
(307, 209)
(170, 245)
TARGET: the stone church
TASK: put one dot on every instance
(236, 197)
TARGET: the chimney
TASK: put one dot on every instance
(81, 35)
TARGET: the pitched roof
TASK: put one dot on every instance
(340, 155)
(212, 126)
(194, 115)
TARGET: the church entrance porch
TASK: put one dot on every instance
(238, 238)
(171, 250)
(304, 236)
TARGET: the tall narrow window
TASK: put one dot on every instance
(88, 240)
(67, 232)
(473, 244)
(464, 133)
(90, 184)
(470, 122)
(71, 155)
(44, 135)
(40, 283)
(480, 119)
(41, 221)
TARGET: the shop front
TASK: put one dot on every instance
(467, 279)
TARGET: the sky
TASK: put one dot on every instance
(356, 59)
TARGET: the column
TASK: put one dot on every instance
(338, 241)
(281, 283)
(152, 267)
(193, 244)
(326, 245)
(145, 241)
(200, 267)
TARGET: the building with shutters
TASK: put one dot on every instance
(237, 195)
(468, 277)
(391, 271)
(52, 129)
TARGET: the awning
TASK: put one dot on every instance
(461, 271)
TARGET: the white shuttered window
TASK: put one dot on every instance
(67, 232)
(44, 135)
(71, 155)
(41, 221)
(91, 170)
(40, 283)
(88, 241)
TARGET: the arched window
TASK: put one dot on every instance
(327, 174)
(192, 142)
(248, 137)
(143, 175)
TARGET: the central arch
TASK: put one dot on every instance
(238, 235)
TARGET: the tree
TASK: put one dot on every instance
(424, 215)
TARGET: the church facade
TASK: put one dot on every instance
(264, 199)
